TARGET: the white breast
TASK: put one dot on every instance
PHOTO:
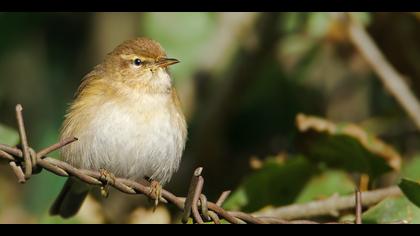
(145, 138)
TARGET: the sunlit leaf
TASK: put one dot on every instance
(392, 210)
(325, 185)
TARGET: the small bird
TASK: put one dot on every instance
(128, 120)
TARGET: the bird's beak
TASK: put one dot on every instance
(165, 62)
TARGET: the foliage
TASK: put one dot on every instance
(251, 85)
(271, 185)
(392, 210)
(411, 190)
(347, 147)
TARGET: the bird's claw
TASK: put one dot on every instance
(156, 191)
(107, 178)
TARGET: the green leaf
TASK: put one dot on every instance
(392, 209)
(8, 136)
(326, 185)
(274, 184)
(411, 189)
(411, 168)
(345, 146)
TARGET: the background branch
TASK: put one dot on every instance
(392, 80)
(330, 205)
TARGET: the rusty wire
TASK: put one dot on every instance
(25, 162)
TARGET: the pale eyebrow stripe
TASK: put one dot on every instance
(134, 56)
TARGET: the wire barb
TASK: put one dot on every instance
(54, 147)
(204, 207)
(18, 172)
(24, 141)
(223, 198)
(189, 201)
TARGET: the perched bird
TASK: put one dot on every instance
(128, 120)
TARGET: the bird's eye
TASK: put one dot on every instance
(137, 62)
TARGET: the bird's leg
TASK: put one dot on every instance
(156, 190)
(108, 178)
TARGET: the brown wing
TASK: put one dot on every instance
(88, 78)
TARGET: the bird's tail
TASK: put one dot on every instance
(70, 198)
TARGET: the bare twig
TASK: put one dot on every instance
(333, 204)
(399, 222)
(358, 211)
(389, 76)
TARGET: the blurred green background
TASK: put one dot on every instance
(243, 79)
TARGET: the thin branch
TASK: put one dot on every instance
(389, 76)
(327, 206)
(358, 210)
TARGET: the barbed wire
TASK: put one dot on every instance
(25, 162)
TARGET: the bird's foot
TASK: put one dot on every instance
(107, 178)
(156, 191)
